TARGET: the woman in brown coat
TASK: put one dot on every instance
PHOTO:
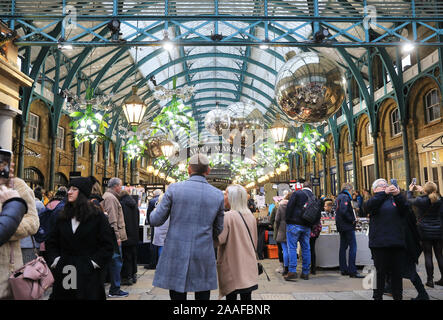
(236, 259)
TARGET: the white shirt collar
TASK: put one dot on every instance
(307, 189)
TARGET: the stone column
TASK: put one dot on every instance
(7, 115)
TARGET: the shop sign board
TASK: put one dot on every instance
(316, 182)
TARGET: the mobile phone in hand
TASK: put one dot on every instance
(394, 183)
(414, 181)
(5, 163)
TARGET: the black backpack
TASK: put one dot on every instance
(47, 222)
(312, 209)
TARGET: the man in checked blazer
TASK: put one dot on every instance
(196, 211)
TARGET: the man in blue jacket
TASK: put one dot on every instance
(298, 229)
(345, 222)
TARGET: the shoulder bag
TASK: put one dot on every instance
(32, 280)
(261, 269)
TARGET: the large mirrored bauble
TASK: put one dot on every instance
(216, 121)
(309, 88)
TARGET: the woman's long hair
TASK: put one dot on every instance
(430, 189)
(81, 209)
(238, 198)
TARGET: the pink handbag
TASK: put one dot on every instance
(30, 281)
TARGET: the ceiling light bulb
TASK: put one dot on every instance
(168, 45)
(408, 47)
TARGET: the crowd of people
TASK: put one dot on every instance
(209, 240)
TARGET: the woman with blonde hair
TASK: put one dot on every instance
(429, 209)
(236, 258)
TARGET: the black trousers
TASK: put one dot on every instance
(388, 261)
(201, 295)
(312, 245)
(427, 251)
(129, 268)
(243, 296)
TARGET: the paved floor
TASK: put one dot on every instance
(327, 284)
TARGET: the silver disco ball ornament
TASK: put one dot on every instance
(310, 87)
(216, 121)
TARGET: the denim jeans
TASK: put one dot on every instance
(347, 239)
(114, 271)
(160, 249)
(284, 246)
(294, 234)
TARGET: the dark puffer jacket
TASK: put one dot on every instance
(344, 215)
(11, 215)
(429, 216)
(131, 214)
(386, 224)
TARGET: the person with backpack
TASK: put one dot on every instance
(345, 220)
(302, 211)
(48, 218)
(430, 226)
(27, 244)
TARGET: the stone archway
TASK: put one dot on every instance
(33, 177)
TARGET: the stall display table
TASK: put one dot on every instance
(327, 249)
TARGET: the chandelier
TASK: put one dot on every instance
(98, 102)
(161, 93)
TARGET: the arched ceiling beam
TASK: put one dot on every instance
(225, 69)
(263, 94)
(158, 51)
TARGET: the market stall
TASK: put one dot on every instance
(328, 244)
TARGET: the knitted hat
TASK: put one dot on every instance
(83, 184)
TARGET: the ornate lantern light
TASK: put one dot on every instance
(134, 108)
(167, 148)
(278, 130)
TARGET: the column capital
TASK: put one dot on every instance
(6, 110)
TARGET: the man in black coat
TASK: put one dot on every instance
(387, 236)
(131, 214)
(345, 221)
(298, 229)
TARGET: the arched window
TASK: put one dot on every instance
(60, 180)
(33, 177)
(432, 106)
(395, 122)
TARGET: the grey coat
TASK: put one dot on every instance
(160, 234)
(196, 211)
(280, 222)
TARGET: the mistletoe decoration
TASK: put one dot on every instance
(134, 147)
(309, 141)
(173, 170)
(173, 115)
(88, 125)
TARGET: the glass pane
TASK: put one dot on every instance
(434, 97)
(425, 174)
(435, 175)
(371, 175)
(436, 111)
